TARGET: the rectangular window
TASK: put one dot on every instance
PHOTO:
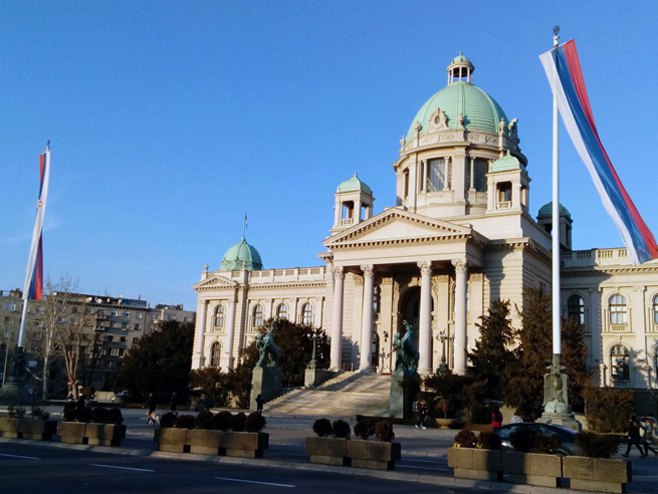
(437, 176)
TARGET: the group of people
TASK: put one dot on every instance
(640, 435)
(151, 405)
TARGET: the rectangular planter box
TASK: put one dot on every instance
(597, 474)
(41, 430)
(204, 442)
(375, 455)
(172, 440)
(532, 469)
(105, 434)
(10, 428)
(327, 451)
(72, 432)
(476, 464)
(244, 444)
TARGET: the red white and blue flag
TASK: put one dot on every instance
(565, 77)
(34, 274)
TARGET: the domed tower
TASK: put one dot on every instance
(241, 256)
(353, 204)
(545, 219)
(446, 154)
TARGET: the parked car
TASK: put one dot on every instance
(566, 436)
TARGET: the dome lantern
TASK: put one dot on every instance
(460, 69)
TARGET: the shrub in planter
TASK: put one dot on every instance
(597, 446)
(99, 415)
(83, 414)
(322, 427)
(465, 438)
(488, 440)
(342, 429)
(255, 422)
(168, 420)
(384, 431)
(69, 411)
(237, 422)
(185, 422)
(222, 421)
(364, 429)
(114, 416)
(204, 420)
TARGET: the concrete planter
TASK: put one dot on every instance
(357, 453)
(10, 428)
(92, 433)
(212, 442)
(532, 469)
(41, 430)
(476, 464)
(445, 423)
(597, 474)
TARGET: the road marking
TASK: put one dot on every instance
(253, 482)
(423, 468)
(22, 457)
(122, 468)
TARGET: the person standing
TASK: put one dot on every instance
(647, 438)
(634, 437)
(421, 411)
(173, 403)
(259, 403)
(496, 419)
(150, 406)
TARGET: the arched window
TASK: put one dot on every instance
(576, 309)
(282, 311)
(655, 309)
(617, 305)
(215, 352)
(307, 314)
(619, 363)
(218, 319)
(257, 317)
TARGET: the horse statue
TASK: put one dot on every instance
(270, 353)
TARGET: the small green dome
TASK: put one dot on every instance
(546, 211)
(507, 162)
(241, 256)
(354, 184)
(460, 97)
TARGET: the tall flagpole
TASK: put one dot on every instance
(557, 343)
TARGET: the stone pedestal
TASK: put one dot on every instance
(266, 381)
(404, 392)
(314, 377)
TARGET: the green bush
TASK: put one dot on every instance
(168, 420)
(342, 429)
(185, 422)
(322, 427)
(114, 416)
(99, 415)
(608, 409)
(596, 445)
(255, 422)
(238, 421)
(222, 421)
(465, 438)
(488, 440)
(204, 420)
(364, 429)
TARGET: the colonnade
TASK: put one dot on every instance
(425, 317)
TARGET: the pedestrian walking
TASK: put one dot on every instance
(259, 403)
(634, 437)
(421, 413)
(647, 437)
(150, 406)
(496, 419)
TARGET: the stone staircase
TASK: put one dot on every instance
(346, 395)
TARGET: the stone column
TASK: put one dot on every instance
(337, 320)
(461, 270)
(198, 359)
(366, 324)
(425, 319)
(230, 330)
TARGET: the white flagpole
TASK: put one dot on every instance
(557, 343)
(34, 247)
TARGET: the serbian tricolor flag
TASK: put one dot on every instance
(34, 274)
(565, 77)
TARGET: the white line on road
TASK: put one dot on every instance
(122, 468)
(254, 482)
(22, 457)
(423, 468)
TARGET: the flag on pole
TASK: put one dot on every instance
(565, 77)
(34, 274)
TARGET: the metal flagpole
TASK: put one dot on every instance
(557, 343)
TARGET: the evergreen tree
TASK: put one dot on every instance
(492, 355)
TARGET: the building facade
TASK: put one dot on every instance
(459, 235)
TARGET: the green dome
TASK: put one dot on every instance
(507, 162)
(480, 111)
(461, 59)
(354, 184)
(241, 256)
(546, 211)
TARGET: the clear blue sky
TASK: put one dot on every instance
(169, 120)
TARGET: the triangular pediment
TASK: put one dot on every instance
(397, 225)
(215, 281)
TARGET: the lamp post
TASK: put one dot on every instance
(443, 337)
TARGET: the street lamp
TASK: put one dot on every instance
(443, 337)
